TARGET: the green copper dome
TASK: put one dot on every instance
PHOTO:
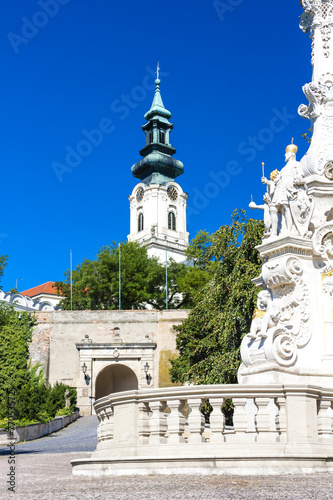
(157, 165)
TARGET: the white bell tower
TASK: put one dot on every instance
(158, 203)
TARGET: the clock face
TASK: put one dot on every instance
(172, 193)
(139, 194)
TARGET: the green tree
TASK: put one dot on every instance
(20, 383)
(209, 340)
(3, 263)
(15, 337)
(143, 281)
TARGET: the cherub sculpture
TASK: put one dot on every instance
(266, 316)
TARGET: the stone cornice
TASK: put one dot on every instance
(115, 345)
(294, 245)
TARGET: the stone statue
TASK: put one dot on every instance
(291, 334)
(279, 189)
(266, 209)
(264, 317)
(67, 399)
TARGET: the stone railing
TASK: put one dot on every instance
(164, 430)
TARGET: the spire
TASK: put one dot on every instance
(157, 165)
(157, 107)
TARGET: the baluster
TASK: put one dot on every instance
(217, 421)
(325, 419)
(196, 421)
(157, 422)
(281, 419)
(176, 421)
(239, 419)
(143, 427)
(266, 420)
(251, 411)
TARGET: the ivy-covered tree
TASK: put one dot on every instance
(143, 281)
(15, 337)
(209, 339)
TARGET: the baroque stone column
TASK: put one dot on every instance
(317, 20)
(291, 336)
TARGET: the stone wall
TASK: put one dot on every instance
(64, 340)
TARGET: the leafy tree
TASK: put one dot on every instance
(209, 340)
(199, 250)
(3, 263)
(19, 381)
(143, 281)
(15, 337)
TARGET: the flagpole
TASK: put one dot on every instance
(71, 266)
(166, 279)
(119, 277)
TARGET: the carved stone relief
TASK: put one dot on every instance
(318, 13)
(328, 170)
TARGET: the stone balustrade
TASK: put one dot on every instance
(273, 427)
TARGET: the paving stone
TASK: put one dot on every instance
(49, 476)
(43, 471)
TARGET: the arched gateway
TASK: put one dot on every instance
(115, 378)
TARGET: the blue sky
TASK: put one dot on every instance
(232, 75)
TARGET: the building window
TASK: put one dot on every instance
(162, 137)
(151, 137)
(140, 222)
(171, 221)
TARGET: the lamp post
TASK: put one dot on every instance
(148, 376)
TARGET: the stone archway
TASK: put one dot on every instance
(115, 378)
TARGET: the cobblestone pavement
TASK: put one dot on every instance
(43, 471)
(49, 476)
(79, 436)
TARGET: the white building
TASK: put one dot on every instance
(44, 293)
(158, 203)
(40, 298)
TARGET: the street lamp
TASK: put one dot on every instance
(148, 376)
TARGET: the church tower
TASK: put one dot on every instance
(158, 203)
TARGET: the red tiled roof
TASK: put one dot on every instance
(44, 288)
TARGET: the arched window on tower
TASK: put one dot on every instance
(162, 136)
(171, 221)
(140, 222)
(151, 137)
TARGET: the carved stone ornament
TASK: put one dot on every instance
(320, 96)
(301, 207)
(318, 13)
(327, 287)
(281, 347)
(317, 95)
(328, 170)
(286, 306)
(290, 296)
(281, 324)
(322, 241)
